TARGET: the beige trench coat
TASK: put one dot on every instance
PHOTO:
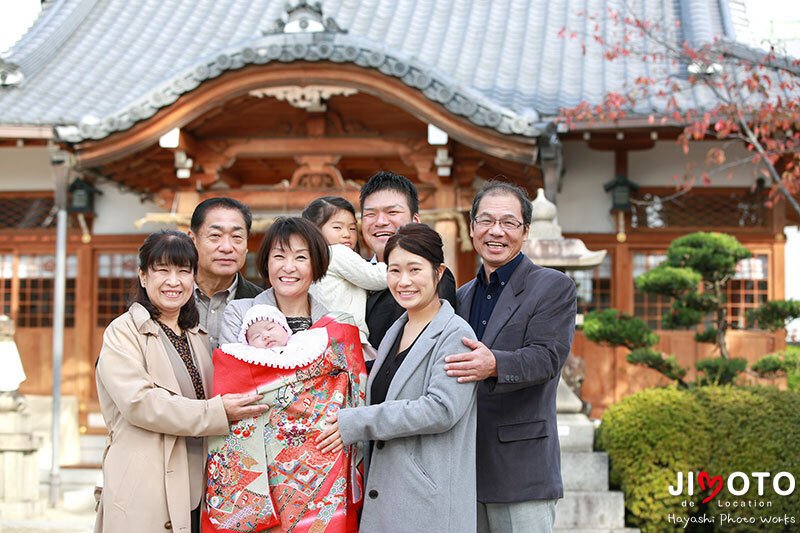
(145, 467)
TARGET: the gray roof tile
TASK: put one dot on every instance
(494, 61)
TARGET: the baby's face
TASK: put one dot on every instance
(266, 334)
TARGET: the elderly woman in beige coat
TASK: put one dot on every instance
(153, 381)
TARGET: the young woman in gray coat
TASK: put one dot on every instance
(421, 472)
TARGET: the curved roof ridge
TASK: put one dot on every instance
(86, 57)
(286, 48)
(55, 24)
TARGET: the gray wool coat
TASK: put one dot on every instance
(421, 476)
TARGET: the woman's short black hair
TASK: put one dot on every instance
(280, 232)
(418, 239)
(173, 248)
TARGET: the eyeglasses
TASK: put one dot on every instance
(507, 223)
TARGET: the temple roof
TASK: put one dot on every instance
(102, 66)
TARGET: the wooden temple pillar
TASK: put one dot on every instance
(424, 161)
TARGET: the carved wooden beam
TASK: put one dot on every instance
(230, 178)
(465, 169)
(421, 156)
(215, 93)
(317, 172)
(203, 180)
(304, 146)
(282, 200)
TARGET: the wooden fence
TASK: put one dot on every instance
(609, 377)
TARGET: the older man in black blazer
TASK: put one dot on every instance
(219, 229)
(524, 318)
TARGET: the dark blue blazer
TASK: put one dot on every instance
(530, 334)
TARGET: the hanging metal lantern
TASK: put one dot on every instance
(620, 188)
(82, 196)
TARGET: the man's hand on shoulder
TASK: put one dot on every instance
(475, 365)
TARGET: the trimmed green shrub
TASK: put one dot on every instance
(667, 280)
(719, 371)
(652, 435)
(774, 315)
(647, 439)
(776, 363)
(613, 328)
(708, 335)
(755, 430)
(666, 365)
(700, 258)
(714, 255)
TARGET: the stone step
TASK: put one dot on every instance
(76, 490)
(584, 471)
(591, 510)
(575, 432)
(597, 530)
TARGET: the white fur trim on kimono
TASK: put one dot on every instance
(303, 348)
(262, 312)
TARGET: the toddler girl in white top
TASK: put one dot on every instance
(344, 288)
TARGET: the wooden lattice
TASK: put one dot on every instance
(26, 213)
(747, 290)
(649, 307)
(116, 275)
(7, 275)
(35, 274)
(595, 287)
(700, 209)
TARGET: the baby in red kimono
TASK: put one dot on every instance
(266, 474)
(265, 339)
(269, 330)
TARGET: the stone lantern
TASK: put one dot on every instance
(19, 480)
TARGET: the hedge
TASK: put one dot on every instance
(652, 435)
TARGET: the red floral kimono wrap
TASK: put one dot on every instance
(266, 474)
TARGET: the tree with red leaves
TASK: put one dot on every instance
(745, 96)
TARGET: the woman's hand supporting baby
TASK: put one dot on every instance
(240, 406)
(329, 439)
